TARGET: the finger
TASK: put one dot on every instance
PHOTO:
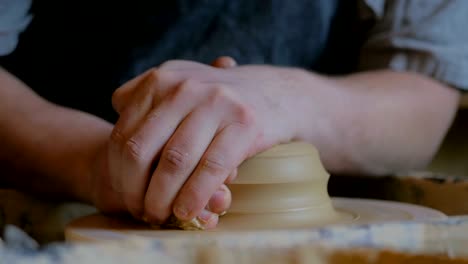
(118, 146)
(220, 201)
(182, 65)
(208, 219)
(232, 176)
(133, 153)
(225, 153)
(153, 80)
(124, 93)
(178, 160)
(131, 115)
(195, 70)
(224, 62)
(138, 104)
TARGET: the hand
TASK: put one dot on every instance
(196, 123)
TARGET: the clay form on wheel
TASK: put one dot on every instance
(284, 187)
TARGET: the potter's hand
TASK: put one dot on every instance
(197, 123)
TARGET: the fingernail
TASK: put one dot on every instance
(220, 201)
(205, 216)
(181, 212)
(218, 198)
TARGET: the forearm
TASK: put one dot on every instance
(375, 122)
(44, 147)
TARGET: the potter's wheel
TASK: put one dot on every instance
(98, 227)
(284, 188)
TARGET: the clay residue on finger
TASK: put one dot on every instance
(174, 223)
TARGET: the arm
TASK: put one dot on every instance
(46, 148)
(403, 113)
(377, 122)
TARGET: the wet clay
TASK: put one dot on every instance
(283, 187)
(174, 223)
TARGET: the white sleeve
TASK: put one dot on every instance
(14, 18)
(425, 36)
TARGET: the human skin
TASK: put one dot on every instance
(184, 127)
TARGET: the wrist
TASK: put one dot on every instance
(324, 113)
(79, 147)
(94, 166)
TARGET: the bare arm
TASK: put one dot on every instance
(46, 148)
(378, 122)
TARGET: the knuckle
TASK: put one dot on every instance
(153, 115)
(152, 78)
(185, 87)
(221, 92)
(241, 112)
(148, 91)
(183, 91)
(117, 136)
(154, 85)
(154, 74)
(215, 165)
(182, 88)
(134, 150)
(244, 114)
(116, 99)
(170, 64)
(176, 159)
(220, 95)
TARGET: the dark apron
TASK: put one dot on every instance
(76, 53)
